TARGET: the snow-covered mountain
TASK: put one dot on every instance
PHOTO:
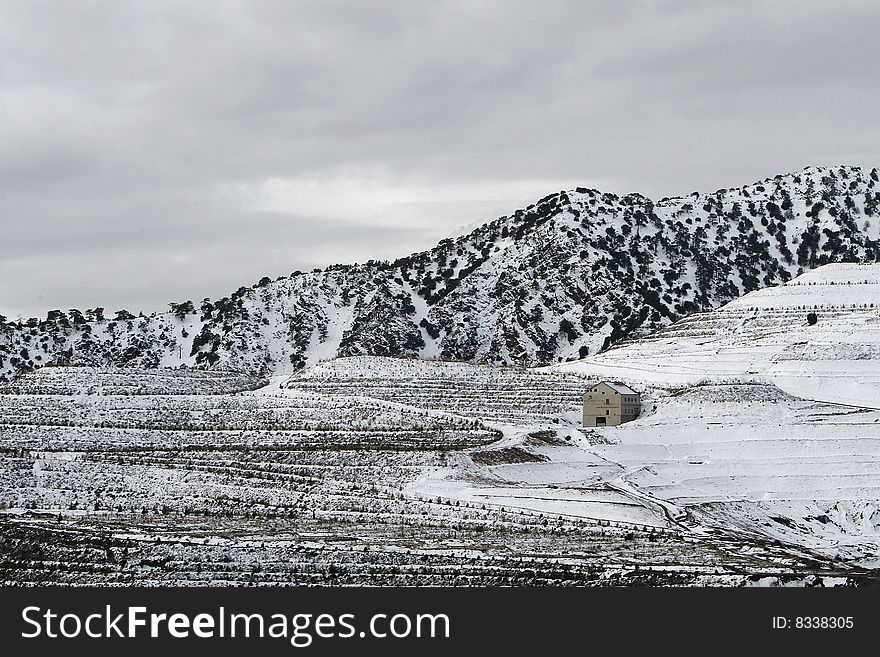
(564, 278)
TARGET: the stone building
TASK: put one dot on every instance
(608, 404)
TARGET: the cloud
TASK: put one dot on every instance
(139, 137)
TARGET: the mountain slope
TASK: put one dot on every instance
(566, 277)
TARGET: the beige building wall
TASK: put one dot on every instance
(605, 406)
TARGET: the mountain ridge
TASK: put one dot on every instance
(567, 276)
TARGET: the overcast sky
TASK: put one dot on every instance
(155, 151)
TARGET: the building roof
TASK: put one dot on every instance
(618, 387)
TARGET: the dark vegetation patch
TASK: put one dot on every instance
(506, 455)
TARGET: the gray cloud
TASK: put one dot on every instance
(139, 139)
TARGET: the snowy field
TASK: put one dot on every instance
(760, 422)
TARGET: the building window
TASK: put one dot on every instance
(607, 412)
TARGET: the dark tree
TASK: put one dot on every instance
(181, 310)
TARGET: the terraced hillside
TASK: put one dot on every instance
(763, 415)
(502, 395)
(282, 485)
(755, 457)
(755, 461)
(73, 381)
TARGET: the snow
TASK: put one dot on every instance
(834, 286)
(339, 320)
(765, 337)
(619, 388)
(758, 430)
(755, 423)
(431, 350)
(372, 367)
(759, 422)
